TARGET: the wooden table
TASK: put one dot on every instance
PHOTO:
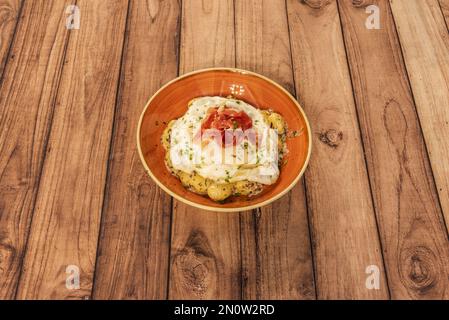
(373, 204)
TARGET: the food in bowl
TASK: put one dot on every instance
(171, 102)
(224, 147)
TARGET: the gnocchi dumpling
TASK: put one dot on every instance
(243, 187)
(166, 136)
(277, 122)
(194, 182)
(168, 163)
(219, 192)
(199, 184)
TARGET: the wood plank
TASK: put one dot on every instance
(205, 259)
(205, 248)
(208, 25)
(34, 68)
(134, 242)
(66, 219)
(276, 253)
(9, 16)
(343, 224)
(425, 44)
(416, 248)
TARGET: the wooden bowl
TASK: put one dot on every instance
(170, 102)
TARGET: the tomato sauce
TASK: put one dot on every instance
(223, 119)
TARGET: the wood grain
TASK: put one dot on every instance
(444, 4)
(66, 219)
(406, 201)
(205, 254)
(34, 68)
(205, 249)
(9, 16)
(425, 45)
(343, 225)
(134, 241)
(279, 230)
(70, 178)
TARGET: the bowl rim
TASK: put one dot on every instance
(217, 209)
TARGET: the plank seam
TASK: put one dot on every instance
(170, 232)
(256, 214)
(117, 105)
(172, 203)
(242, 286)
(8, 55)
(445, 223)
(180, 34)
(444, 17)
(312, 251)
(235, 35)
(364, 151)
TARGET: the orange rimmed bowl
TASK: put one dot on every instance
(170, 102)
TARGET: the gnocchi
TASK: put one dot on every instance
(220, 192)
(194, 182)
(277, 122)
(216, 189)
(246, 188)
(166, 136)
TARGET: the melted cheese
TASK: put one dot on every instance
(244, 161)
